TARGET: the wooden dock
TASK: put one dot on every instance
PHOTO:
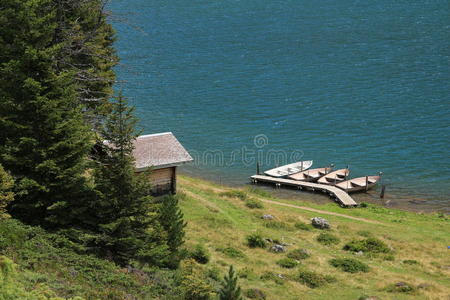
(342, 197)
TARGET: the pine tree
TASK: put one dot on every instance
(230, 290)
(6, 194)
(171, 219)
(127, 219)
(88, 50)
(43, 140)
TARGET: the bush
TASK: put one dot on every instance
(364, 233)
(255, 240)
(253, 203)
(287, 263)
(271, 276)
(302, 226)
(255, 294)
(277, 225)
(411, 262)
(232, 252)
(235, 194)
(349, 265)
(313, 280)
(371, 245)
(299, 254)
(401, 287)
(328, 239)
(200, 254)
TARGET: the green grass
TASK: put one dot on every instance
(422, 237)
(406, 253)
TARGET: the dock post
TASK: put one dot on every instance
(257, 168)
(367, 183)
(383, 189)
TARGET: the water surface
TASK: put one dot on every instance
(359, 83)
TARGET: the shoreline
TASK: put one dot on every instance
(391, 200)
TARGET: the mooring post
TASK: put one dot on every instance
(367, 183)
(257, 168)
(383, 190)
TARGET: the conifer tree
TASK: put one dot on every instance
(128, 226)
(6, 194)
(171, 219)
(230, 290)
(43, 140)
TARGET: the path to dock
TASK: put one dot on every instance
(320, 211)
(342, 197)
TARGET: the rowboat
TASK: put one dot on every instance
(289, 169)
(310, 175)
(358, 184)
(334, 177)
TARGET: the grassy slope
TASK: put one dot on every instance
(218, 222)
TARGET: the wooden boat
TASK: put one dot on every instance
(334, 177)
(358, 184)
(289, 169)
(310, 175)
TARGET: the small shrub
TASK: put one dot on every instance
(274, 277)
(200, 254)
(401, 287)
(255, 294)
(299, 254)
(411, 262)
(388, 257)
(214, 273)
(287, 263)
(349, 265)
(260, 192)
(253, 203)
(277, 225)
(235, 194)
(232, 252)
(313, 280)
(364, 233)
(328, 239)
(371, 245)
(245, 273)
(302, 226)
(255, 240)
(363, 205)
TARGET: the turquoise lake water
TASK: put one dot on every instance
(358, 83)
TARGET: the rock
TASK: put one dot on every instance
(267, 217)
(320, 223)
(359, 253)
(278, 248)
(424, 286)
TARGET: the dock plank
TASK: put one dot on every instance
(341, 196)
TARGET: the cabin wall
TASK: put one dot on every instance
(163, 181)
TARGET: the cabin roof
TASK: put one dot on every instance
(160, 150)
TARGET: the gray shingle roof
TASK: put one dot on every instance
(159, 151)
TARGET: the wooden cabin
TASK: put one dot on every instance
(162, 153)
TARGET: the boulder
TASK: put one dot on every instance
(267, 217)
(320, 223)
(278, 248)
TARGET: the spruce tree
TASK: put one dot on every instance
(171, 219)
(230, 290)
(127, 219)
(43, 140)
(6, 194)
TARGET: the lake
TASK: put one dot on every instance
(358, 83)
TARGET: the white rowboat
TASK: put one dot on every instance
(289, 169)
